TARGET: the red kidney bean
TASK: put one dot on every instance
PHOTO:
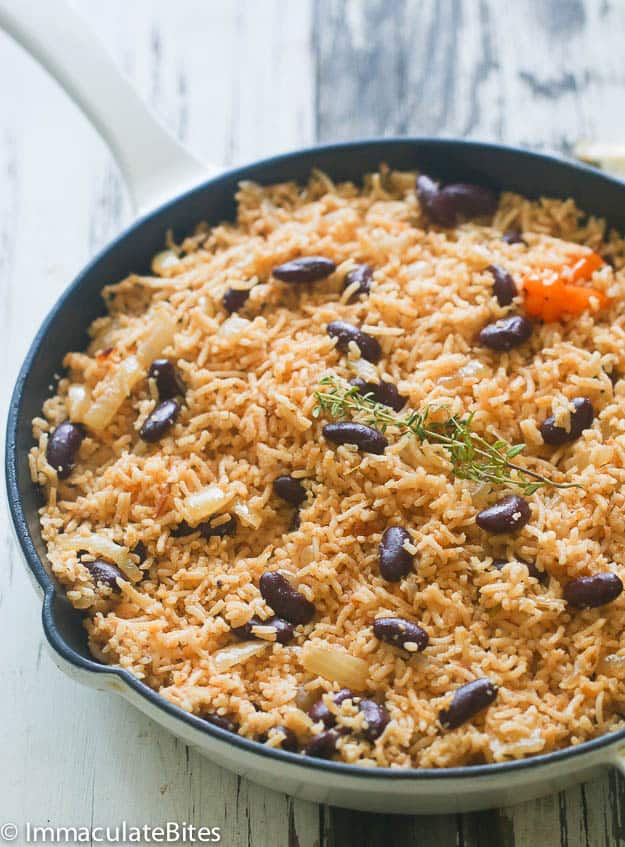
(305, 269)
(382, 392)
(141, 551)
(444, 205)
(513, 236)
(401, 633)
(504, 287)
(541, 576)
(320, 712)
(284, 630)
(207, 530)
(581, 418)
(289, 741)
(394, 561)
(506, 333)
(467, 701)
(286, 601)
(167, 378)
(105, 573)
(592, 591)
(160, 421)
(363, 275)
(234, 299)
(63, 444)
(323, 746)
(509, 514)
(289, 489)
(376, 717)
(366, 438)
(345, 332)
(440, 208)
(220, 721)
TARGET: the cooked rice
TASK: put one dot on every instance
(248, 418)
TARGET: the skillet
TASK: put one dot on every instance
(154, 165)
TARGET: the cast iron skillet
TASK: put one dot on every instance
(64, 329)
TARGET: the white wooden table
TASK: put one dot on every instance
(237, 80)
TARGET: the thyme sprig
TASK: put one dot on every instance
(471, 455)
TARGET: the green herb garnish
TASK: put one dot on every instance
(471, 455)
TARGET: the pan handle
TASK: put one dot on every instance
(154, 165)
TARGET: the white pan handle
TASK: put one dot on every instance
(155, 166)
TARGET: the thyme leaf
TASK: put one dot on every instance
(472, 457)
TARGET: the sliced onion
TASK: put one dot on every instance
(334, 664)
(236, 654)
(202, 504)
(247, 516)
(100, 545)
(163, 261)
(234, 326)
(162, 322)
(117, 386)
(78, 402)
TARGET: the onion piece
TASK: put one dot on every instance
(204, 503)
(117, 386)
(163, 261)
(100, 545)
(162, 324)
(78, 402)
(236, 654)
(334, 664)
(247, 516)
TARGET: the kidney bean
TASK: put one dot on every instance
(62, 447)
(376, 717)
(507, 333)
(467, 701)
(182, 530)
(394, 561)
(141, 551)
(105, 573)
(592, 591)
(513, 236)
(363, 275)
(284, 630)
(471, 200)
(220, 721)
(541, 576)
(322, 746)
(286, 601)
(581, 418)
(401, 633)
(296, 522)
(160, 421)
(440, 208)
(320, 712)
(345, 332)
(504, 287)
(444, 205)
(366, 438)
(167, 378)
(234, 299)
(506, 515)
(207, 530)
(382, 392)
(305, 269)
(289, 741)
(289, 489)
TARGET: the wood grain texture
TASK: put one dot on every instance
(238, 80)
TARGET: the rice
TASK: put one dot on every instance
(248, 418)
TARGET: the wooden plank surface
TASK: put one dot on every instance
(237, 80)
